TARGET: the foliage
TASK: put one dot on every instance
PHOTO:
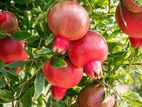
(30, 88)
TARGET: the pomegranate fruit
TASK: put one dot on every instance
(12, 50)
(57, 92)
(68, 21)
(130, 23)
(89, 52)
(8, 22)
(64, 77)
(93, 96)
(134, 6)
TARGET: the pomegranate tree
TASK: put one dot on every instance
(89, 52)
(68, 21)
(130, 23)
(93, 96)
(12, 50)
(134, 6)
(8, 22)
(63, 78)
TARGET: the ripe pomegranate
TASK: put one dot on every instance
(12, 50)
(89, 52)
(68, 21)
(130, 23)
(64, 77)
(93, 96)
(8, 22)
(57, 92)
(133, 5)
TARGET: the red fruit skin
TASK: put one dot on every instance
(132, 6)
(130, 23)
(136, 42)
(58, 93)
(8, 22)
(12, 50)
(68, 20)
(93, 96)
(65, 77)
(89, 52)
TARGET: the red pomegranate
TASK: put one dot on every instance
(65, 77)
(93, 96)
(8, 22)
(68, 21)
(12, 50)
(130, 23)
(133, 5)
(57, 92)
(89, 52)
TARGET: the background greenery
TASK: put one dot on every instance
(29, 89)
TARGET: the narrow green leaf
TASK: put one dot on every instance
(15, 64)
(58, 62)
(39, 84)
(20, 35)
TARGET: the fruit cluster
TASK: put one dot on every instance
(87, 50)
(10, 49)
(128, 16)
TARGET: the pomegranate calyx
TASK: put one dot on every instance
(136, 42)
(57, 92)
(94, 69)
(60, 45)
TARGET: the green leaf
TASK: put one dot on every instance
(58, 62)
(54, 103)
(133, 98)
(26, 99)
(6, 95)
(9, 75)
(23, 1)
(2, 35)
(15, 64)
(20, 35)
(39, 85)
(49, 39)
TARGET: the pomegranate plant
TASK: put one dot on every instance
(46, 28)
(89, 52)
(134, 6)
(68, 21)
(8, 22)
(93, 96)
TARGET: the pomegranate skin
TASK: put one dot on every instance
(68, 21)
(65, 77)
(132, 6)
(93, 96)
(136, 42)
(8, 22)
(57, 92)
(89, 52)
(130, 23)
(12, 50)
